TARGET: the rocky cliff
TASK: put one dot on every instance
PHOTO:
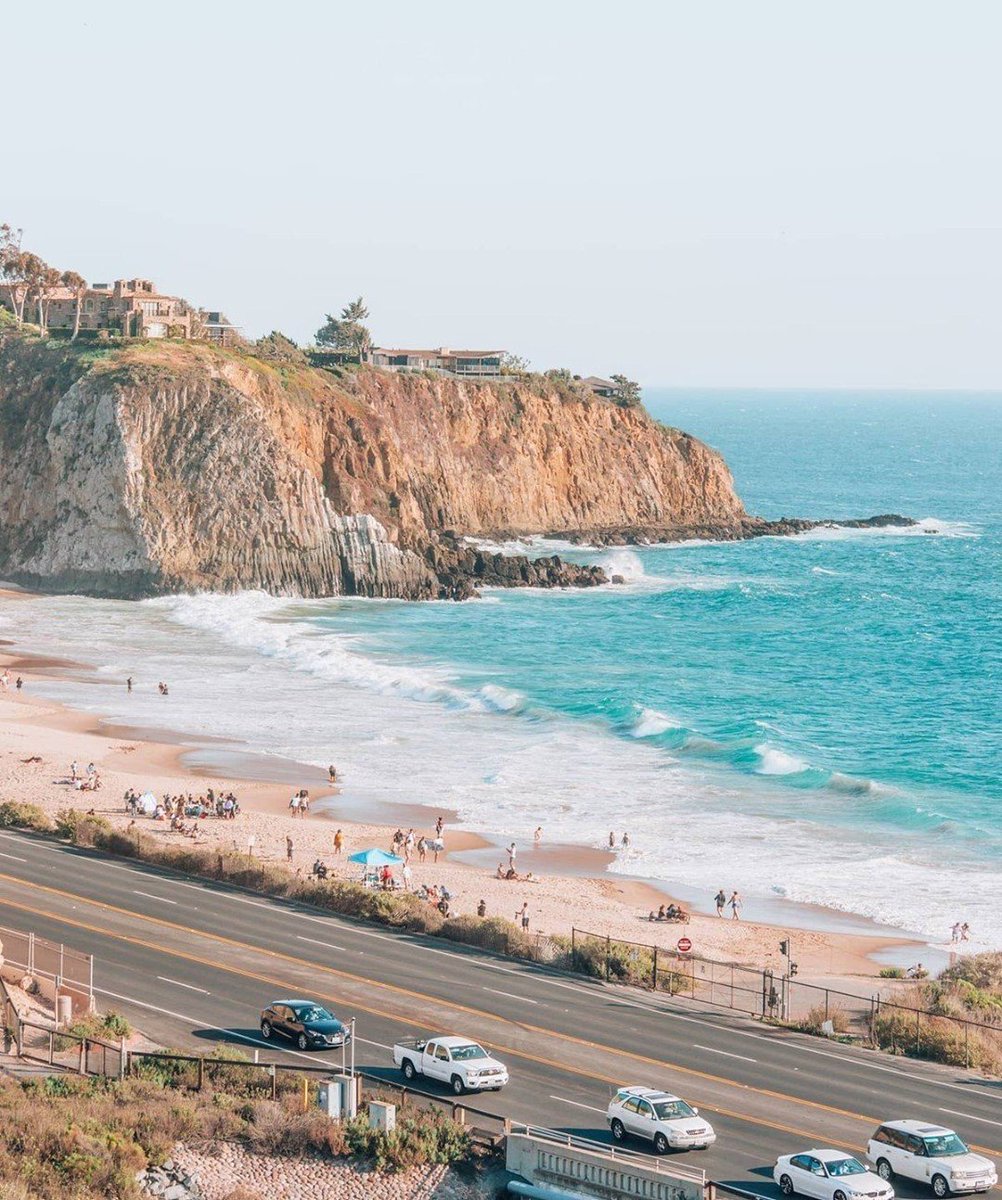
(165, 467)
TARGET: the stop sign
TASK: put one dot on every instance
(684, 945)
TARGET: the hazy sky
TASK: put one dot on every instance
(749, 193)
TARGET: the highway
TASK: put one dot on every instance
(192, 963)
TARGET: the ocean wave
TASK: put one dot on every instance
(651, 723)
(777, 762)
(927, 526)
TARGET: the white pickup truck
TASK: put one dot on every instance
(464, 1065)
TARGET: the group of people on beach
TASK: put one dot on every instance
(5, 681)
(225, 806)
(405, 845)
(89, 781)
(961, 932)
(299, 803)
(735, 903)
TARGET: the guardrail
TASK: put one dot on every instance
(617, 1153)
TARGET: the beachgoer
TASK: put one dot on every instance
(955, 932)
(612, 841)
(720, 900)
(523, 913)
(537, 835)
(338, 842)
(916, 972)
(74, 768)
(439, 825)
(422, 848)
(19, 683)
(500, 871)
(128, 684)
(304, 803)
(735, 903)
(4, 679)
(965, 932)
(482, 908)
(408, 875)
(288, 848)
(294, 804)
(332, 774)
(437, 848)
(91, 770)
(512, 852)
(626, 840)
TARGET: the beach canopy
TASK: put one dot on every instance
(147, 803)
(374, 858)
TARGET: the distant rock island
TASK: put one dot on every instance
(152, 467)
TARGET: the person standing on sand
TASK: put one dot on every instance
(626, 840)
(720, 900)
(408, 876)
(338, 842)
(537, 836)
(75, 769)
(331, 774)
(512, 852)
(439, 825)
(288, 848)
(612, 840)
(19, 684)
(128, 684)
(735, 906)
(523, 915)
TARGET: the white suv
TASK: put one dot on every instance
(661, 1118)
(932, 1155)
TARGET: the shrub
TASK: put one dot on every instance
(892, 973)
(490, 933)
(813, 1021)
(14, 815)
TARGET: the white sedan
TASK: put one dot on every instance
(829, 1175)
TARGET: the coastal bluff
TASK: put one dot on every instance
(160, 467)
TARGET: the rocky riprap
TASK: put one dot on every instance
(170, 1181)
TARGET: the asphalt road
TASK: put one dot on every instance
(193, 963)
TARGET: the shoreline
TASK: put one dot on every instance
(567, 878)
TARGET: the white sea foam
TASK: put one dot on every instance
(651, 723)
(778, 762)
(928, 526)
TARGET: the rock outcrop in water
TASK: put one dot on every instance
(162, 467)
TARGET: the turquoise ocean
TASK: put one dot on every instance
(816, 718)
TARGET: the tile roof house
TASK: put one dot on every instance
(479, 364)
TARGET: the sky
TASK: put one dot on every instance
(767, 193)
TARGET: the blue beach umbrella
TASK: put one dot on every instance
(374, 858)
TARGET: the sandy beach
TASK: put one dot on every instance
(40, 738)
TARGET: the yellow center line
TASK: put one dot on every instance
(410, 994)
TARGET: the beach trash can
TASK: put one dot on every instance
(382, 1116)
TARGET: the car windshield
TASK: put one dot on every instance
(465, 1053)
(671, 1110)
(314, 1014)
(944, 1145)
(845, 1166)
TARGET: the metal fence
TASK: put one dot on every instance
(885, 1024)
(37, 956)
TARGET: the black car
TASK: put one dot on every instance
(306, 1023)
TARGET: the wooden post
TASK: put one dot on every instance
(83, 1056)
(654, 974)
(608, 951)
(201, 1071)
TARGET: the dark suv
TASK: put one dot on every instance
(306, 1023)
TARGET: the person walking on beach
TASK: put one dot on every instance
(338, 842)
(955, 932)
(439, 826)
(612, 840)
(523, 915)
(512, 852)
(965, 932)
(720, 900)
(19, 683)
(537, 836)
(128, 684)
(422, 848)
(408, 875)
(288, 848)
(332, 774)
(626, 840)
(75, 770)
(735, 906)
(294, 804)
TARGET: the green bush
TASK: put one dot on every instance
(14, 815)
(892, 973)
(81, 829)
(491, 933)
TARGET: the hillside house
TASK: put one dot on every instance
(477, 364)
(130, 307)
(606, 388)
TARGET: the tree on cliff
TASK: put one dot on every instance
(14, 270)
(49, 282)
(629, 390)
(77, 285)
(348, 332)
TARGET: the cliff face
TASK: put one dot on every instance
(164, 467)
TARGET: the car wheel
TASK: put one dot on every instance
(940, 1187)
(303, 1042)
(884, 1170)
(618, 1130)
(839, 1196)
(457, 1085)
(266, 1029)
(786, 1185)
(661, 1144)
(408, 1069)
